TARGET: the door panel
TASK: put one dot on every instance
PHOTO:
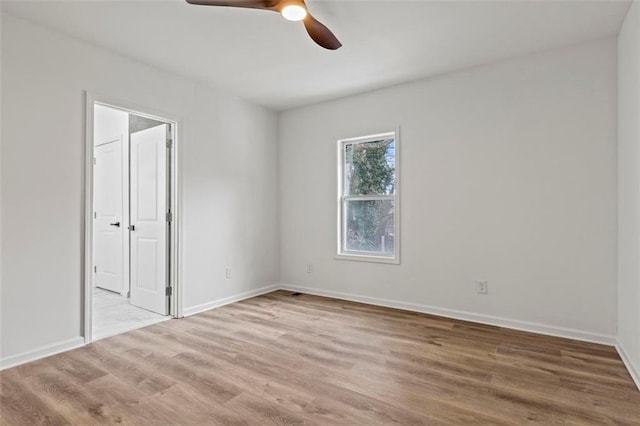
(149, 254)
(147, 250)
(108, 256)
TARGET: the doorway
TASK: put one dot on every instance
(130, 232)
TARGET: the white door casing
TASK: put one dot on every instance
(148, 218)
(108, 216)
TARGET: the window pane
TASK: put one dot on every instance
(370, 168)
(370, 226)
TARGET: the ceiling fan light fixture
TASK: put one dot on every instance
(294, 12)
(291, 10)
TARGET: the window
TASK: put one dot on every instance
(368, 204)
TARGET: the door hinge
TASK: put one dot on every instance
(95, 269)
(169, 143)
(168, 291)
(95, 215)
(169, 217)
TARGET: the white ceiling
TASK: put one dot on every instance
(261, 57)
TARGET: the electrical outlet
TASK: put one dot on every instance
(310, 268)
(482, 287)
(228, 273)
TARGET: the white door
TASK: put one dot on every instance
(108, 232)
(148, 231)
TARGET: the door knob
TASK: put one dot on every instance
(117, 224)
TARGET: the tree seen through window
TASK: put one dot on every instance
(370, 176)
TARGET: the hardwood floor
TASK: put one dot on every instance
(283, 359)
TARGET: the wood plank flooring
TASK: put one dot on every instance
(282, 359)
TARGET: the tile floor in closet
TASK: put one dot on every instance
(113, 314)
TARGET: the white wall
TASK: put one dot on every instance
(229, 187)
(0, 172)
(508, 175)
(629, 190)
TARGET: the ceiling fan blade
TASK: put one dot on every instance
(250, 4)
(321, 34)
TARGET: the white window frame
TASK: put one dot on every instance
(342, 253)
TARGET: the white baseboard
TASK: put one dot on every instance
(231, 299)
(41, 352)
(633, 370)
(462, 315)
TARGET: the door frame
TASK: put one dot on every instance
(175, 237)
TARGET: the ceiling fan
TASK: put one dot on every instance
(292, 10)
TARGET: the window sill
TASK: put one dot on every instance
(368, 258)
